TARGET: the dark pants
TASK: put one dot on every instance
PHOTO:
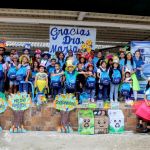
(103, 92)
(2, 86)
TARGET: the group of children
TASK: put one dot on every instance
(103, 78)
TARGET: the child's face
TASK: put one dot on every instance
(1, 58)
(82, 60)
(104, 65)
(129, 56)
(115, 65)
(57, 67)
(122, 55)
(46, 57)
(137, 54)
(53, 62)
(41, 69)
(38, 56)
(35, 64)
(110, 62)
(15, 59)
(80, 66)
(1, 51)
(11, 56)
(61, 56)
(90, 68)
(127, 75)
(24, 60)
(26, 52)
(99, 55)
(90, 59)
(70, 68)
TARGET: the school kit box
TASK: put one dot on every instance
(101, 121)
(86, 122)
(116, 121)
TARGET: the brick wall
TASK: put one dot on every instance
(48, 118)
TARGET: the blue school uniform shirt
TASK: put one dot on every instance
(130, 66)
(147, 93)
(121, 62)
(61, 62)
(139, 63)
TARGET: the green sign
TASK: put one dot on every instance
(65, 102)
(19, 101)
(3, 103)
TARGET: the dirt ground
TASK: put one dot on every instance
(57, 141)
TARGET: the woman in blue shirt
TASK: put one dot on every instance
(129, 64)
(139, 62)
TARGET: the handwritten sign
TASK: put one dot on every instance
(65, 102)
(19, 101)
(71, 38)
(3, 102)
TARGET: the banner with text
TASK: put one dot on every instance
(64, 38)
(144, 48)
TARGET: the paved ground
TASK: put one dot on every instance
(56, 141)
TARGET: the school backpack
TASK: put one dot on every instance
(125, 89)
(21, 73)
(12, 72)
(104, 78)
(83, 98)
(56, 81)
(90, 82)
(116, 76)
(71, 81)
(1, 71)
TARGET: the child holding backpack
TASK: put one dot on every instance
(126, 87)
(116, 77)
(104, 81)
(23, 72)
(12, 70)
(41, 82)
(91, 82)
(56, 80)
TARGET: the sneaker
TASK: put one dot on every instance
(111, 100)
(116, 100)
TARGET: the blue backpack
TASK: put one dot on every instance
(83, 97)
(104, 79)
(71, 81)
(21, 73)
(90, 82)
(12, 72)
(125, 89)
(116, 76)
(1, 71)
(56, 81)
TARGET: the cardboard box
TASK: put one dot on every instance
(116, 121)
(85, 122)
(101, 122)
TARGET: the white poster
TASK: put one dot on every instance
(63, 38)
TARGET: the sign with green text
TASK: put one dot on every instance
(65, 102)
(19, 101)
